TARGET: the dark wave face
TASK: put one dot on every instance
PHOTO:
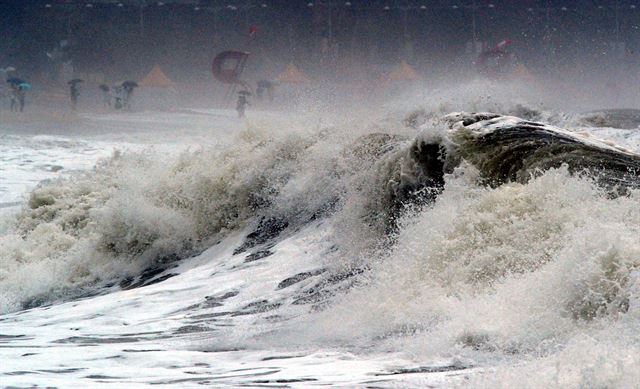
(509, 149)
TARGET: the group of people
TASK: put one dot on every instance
(13, 94)
(117, 97)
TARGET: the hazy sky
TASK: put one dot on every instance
(186, 34)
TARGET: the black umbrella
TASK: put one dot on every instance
(16, 81)
(244, 92)
(75, 81)
(129, 84)
(104, 88)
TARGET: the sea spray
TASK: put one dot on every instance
(535, 270)
(139, 209)
(142, 210)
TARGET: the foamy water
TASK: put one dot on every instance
(297, 251)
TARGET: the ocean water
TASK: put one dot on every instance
(458, 239)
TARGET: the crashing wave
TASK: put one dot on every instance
(137, 212)
(531, 265)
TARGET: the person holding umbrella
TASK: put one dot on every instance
(74, 91)
(106, 97)
(22, 88)
(18, 92)
(13, 97)
(265, 86)
(118, 97)
(243, 102)
(127, 89)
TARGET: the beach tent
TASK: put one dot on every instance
(157, 91)
(292, 85)
(156, 78)
(292, 75)
(402, 72)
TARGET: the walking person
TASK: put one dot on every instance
(21, 94)
(74, 92)
(127, 93)
(106, 96)
(18, 97)
(243, 102)
(13, 98)
(18, 87)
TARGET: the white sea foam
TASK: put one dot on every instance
(140, 209)
(543, 273)
(535, 283)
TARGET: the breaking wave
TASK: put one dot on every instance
(540, 280)
(138, 211)
(470, 235)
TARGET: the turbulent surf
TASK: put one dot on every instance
(479, 247)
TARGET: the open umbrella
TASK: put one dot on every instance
(244, 92)
(129, 84)
(15, 81)
(25, 86)
(75, 81)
